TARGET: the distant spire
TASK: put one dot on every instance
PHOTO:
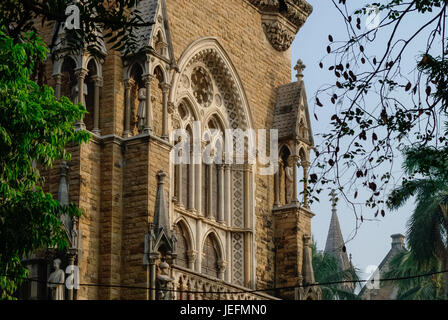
(335, 241)
(160, 211)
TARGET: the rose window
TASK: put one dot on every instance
(202, 86)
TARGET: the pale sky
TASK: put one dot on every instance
(373, 240)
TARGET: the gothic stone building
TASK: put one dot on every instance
(208, 227)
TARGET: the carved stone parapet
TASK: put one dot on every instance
(282, 19)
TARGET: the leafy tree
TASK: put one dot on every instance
(405, 265)
(114, 16)
(381, 104)
(34, 126)
(327, 270)
(428, 225)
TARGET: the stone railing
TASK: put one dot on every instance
(190, 285)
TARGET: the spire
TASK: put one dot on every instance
(160, 211)
(335, 241)
(160, 233)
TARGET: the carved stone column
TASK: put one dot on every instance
(179, 183)
(191, 182)
(221, 200)
(227, 193)
(98, 83)
(80, 74)
(128, 84)
(228, 273)
(57, 89)
(165, 90)
(295, 193)
(192, 256)
(148, 125)
(247, 224)
(276, 188)
(221, 268)
(198, 188)
(71, 262)
(306, 166)
(198, 245)
(210, 199)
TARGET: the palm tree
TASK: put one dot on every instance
(428, 225)
(405, 265)
(327, 270)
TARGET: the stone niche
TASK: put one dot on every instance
(282, 19)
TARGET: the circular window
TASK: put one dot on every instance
(202, 86)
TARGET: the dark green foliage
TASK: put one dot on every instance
(428, 226)
(115, 16)
(405, 265)
(34, 128)
(327, 270)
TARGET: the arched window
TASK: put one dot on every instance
(184, 173)
(283, 194)
(187, 174)
(181, 246)
(210, 257)
(90, 95)
(157, 96)
(137, 92)
(213, 173)
(68, 77)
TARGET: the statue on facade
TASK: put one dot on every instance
(164, 283)
(141, 112)
(56, 281)
(290, 180)
(75, 95)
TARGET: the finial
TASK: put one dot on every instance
(334, 199)
(63, 168)
(299, 68)
(161, 177)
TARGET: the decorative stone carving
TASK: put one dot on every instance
(278, 33)
(56, 281)
(141, 112)
(75, 94)
(164, 283)
(237, 259)
(290, 180)
(202, 86)
(282, 20)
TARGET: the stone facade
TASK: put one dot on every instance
(238, 65)
(384, 290)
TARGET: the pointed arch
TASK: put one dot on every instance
(212, 233)
(210, 51)
(184, 243)
(212, 254)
